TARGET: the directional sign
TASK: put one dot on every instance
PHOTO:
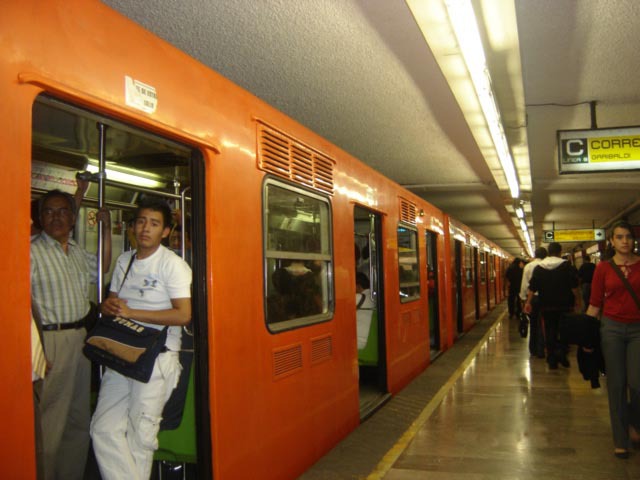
(599, 150)
(580, 235)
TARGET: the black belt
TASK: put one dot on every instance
(63, 326)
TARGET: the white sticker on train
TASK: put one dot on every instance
(140, 95)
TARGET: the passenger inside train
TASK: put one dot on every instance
(364, 308)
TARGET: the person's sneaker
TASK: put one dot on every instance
(564, 361)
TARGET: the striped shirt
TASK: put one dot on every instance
(60, 281)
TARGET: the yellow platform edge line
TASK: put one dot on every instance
(394, 453)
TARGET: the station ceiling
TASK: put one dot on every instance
(371, 77)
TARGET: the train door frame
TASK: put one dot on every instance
(372, 379)
(433, 293)
(101, 116)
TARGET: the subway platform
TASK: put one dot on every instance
(486, 410)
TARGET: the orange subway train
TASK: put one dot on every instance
(276, 222)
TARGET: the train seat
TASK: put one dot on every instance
(368, 356)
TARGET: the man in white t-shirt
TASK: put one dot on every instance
(536, 331)
(155, 292)
(364, 309)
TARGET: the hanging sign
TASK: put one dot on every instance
(599, 150)
(580, 235)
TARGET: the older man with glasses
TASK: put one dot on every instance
(61, 272)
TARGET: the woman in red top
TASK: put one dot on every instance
(620, 334)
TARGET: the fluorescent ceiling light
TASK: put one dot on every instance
(519, 212)
(465, 27)
(523, 225)
(127, 178)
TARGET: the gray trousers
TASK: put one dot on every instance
(621, 350)
(65, 406)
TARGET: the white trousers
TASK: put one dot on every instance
(125, 425)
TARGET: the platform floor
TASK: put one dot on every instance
(486, 410)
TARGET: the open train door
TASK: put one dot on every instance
(434, 289)
(123, 164)
(457, 284)
(370, 311)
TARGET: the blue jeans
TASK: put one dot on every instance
(621, 349)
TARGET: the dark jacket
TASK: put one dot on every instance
(554, 279)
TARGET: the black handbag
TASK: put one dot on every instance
(124, 345)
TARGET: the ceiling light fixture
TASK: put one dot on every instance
(127, 178)
(519, 212)
(523, 225)
(465, 27)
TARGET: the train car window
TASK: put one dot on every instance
(298, 257)
(408, 266)
(483, 268)
(468, 266)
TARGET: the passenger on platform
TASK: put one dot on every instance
(620, 334)
(514, 277)
(556, 282)
(536, 335)
(585, 275)
(155, 292)
(60, 275)
(364, 309)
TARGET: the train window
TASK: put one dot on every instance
(408, 269)
(298, 257)
(483, 268)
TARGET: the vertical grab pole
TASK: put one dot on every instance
(183, 216)
(102, 136)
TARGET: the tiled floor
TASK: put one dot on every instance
(509, 417)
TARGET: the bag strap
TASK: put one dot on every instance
(625, 282)
(133, 257)
(363, 297)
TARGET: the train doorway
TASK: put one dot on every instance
(476, 282)
(105, 162)
(434, 293)
(370, 311)
(458, 286)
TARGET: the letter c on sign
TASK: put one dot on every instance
(574, 147)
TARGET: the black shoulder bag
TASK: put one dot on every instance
(124, 345)
(625, 282)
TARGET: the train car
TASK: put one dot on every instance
(478, 267)
(272, 212)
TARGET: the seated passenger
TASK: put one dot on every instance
(364, 309)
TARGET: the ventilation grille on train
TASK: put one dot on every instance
(287, 360)
(283, 156)
(321, 349)
(407, 211)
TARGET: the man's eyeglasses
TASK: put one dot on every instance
(52, 212)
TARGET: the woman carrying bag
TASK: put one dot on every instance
(615, 293)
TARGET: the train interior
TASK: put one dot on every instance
(123, 165)
(371, 355)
